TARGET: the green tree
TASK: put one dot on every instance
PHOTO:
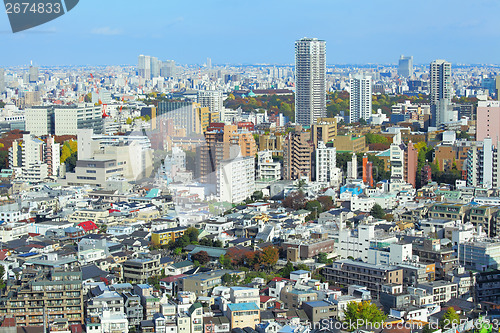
(177, 250)
(257, 195)
(323, 258)
(364, 312)
(193, 234)
(225, 261)
(314, 206)
(285, 271)
(129, 121)
(450, 319)
(377, 212)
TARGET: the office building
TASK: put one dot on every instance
(236, 179)
(360, 99)
(488, 120)
(405, 68)
(63, 120)
(33, 74)
(441, 92)
(144, 67)
(185, 115)
(168, 69)
(155, 67)
(310, 80)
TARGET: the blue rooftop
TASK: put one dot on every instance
(29, 254)
(153, 193)
(242, 306)
(315, 304)
(301, 271)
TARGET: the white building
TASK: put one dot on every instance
(63, 120)
(441, 92)
(267, 169)
(310, 80)
(212, 99)
(33, 159)
(326, 165)
(360, 106)
(236, 179)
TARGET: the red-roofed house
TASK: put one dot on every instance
(267, 302)
(88, 226)
(170, 283)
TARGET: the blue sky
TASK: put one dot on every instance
(111, 32)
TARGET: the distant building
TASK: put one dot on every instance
(405, 68)
(441, 92)
(63, 120)
(360, 104)
(310, 80)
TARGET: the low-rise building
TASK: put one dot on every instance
(243, 315)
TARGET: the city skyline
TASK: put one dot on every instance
(378, 37)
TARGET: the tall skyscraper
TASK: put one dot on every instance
(33, 74)
(360, 98)
(209, 63)
(168, 68)
(440, 92)
(405, 68)
(155, 67)
(144, 67)
(310, 80)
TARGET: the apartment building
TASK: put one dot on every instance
(56, 293)
(236, 179)
(202, 283)
(297, 156)
(163, 237)
(138, 270)
(441, 291)
(346, 272)
(243, 315)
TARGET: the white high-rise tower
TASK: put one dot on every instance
(360, 98)
(310, 80)
(440, 92)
